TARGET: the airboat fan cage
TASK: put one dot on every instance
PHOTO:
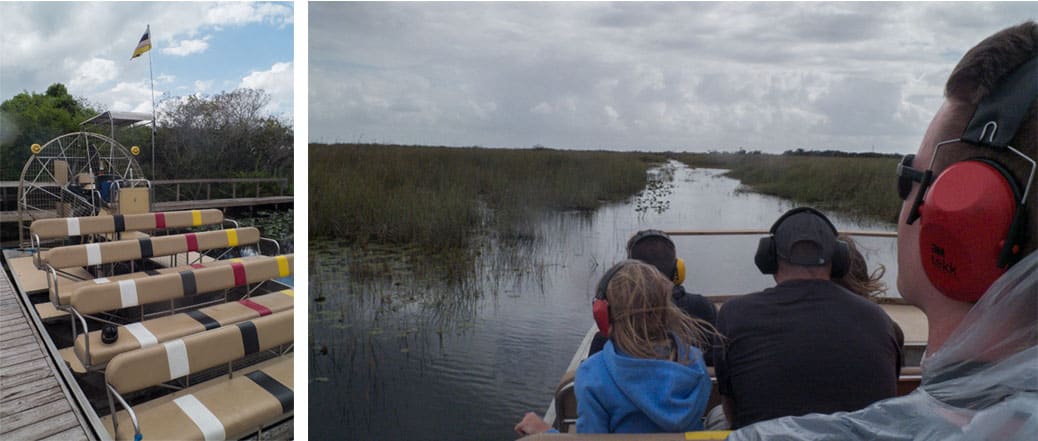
(74, 175)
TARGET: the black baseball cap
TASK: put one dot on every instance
(805, 226)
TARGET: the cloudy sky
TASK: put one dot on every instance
(644, 76)
(197, 48)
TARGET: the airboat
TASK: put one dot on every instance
(154, 325)
(561, 413)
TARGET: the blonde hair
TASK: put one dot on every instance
(644, 316)
(858, 279)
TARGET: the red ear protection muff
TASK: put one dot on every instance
(600, 305)
(965, 221)
(766, 257)
(972, 215)
(678, 275)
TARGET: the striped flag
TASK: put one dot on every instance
(144, 45)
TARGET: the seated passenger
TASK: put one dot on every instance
(650, 376)
(969, 264)
(868, 285)
(655, 247)
(806, 345)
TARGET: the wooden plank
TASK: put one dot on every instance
(20, 358)
(39, 370)
(45, 425)
(74, 434)
(18, 369)
(42, 413)
(19, 350)
(22, 340)
(28, 399)
(14, 332)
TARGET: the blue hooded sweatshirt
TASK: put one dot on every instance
(617, 393)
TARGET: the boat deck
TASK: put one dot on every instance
(34, 402)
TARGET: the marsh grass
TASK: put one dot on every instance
(859, 186)
(439, 198)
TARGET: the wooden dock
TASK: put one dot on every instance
(35, 404)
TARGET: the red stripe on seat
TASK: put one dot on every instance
(262, 310)
(160, 220)
(192, 241)
(239, 274)
(197, 266)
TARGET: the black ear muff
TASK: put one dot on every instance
(841, 260)
(766, 258)
(678, 275)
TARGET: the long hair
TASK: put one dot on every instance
(858, 279)
(644, 316)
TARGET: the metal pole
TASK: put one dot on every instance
(151, 76)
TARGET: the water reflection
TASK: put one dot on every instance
(414, 347)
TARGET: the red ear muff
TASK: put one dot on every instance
(600, 309)
(965, 224)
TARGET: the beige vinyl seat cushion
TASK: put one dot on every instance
(79, 226)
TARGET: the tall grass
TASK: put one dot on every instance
(858, 186)
(439, 197)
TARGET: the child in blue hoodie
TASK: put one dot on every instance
(650, 376)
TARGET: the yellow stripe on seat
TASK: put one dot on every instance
(707, 435)
(232, 238)
(288, 292)
(283, 269)
(196, 218)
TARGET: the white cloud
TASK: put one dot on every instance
(276, 81)
(91, 73)
(239, 13)
(203, 86)
(187, 47)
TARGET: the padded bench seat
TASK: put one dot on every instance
(67, 289)
(218, 409)
(163, 329)
(79, 226)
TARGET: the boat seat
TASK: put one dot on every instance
(110, 296)
(72, 256)
(81, 226)
(221, 408)
(166, 328)
(67, 287)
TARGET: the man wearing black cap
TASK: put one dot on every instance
(807, 345)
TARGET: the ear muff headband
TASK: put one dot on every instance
(966, 223)
(678, 276)
(600, 305)
(766, 257)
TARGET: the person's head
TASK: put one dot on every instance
(633, 307)
(803, 245)
(655, 248)
(951, 234)
(858, 279)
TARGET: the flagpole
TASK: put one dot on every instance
(151, 76)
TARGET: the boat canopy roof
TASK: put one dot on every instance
(116, 118)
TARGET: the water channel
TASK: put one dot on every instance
(413, 351)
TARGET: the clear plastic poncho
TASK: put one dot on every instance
(981, 385)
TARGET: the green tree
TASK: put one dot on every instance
(223, 135)
(33, 118)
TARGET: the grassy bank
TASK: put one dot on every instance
(862, 186)
(439, 197)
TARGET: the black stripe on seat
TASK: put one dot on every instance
(205, 320)
(187, 280)
(274, 387)
(146, 251)
(120, 223)
(152, 272)
(249, 337)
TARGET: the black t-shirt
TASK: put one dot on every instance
(804, 346)
(694, 305)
